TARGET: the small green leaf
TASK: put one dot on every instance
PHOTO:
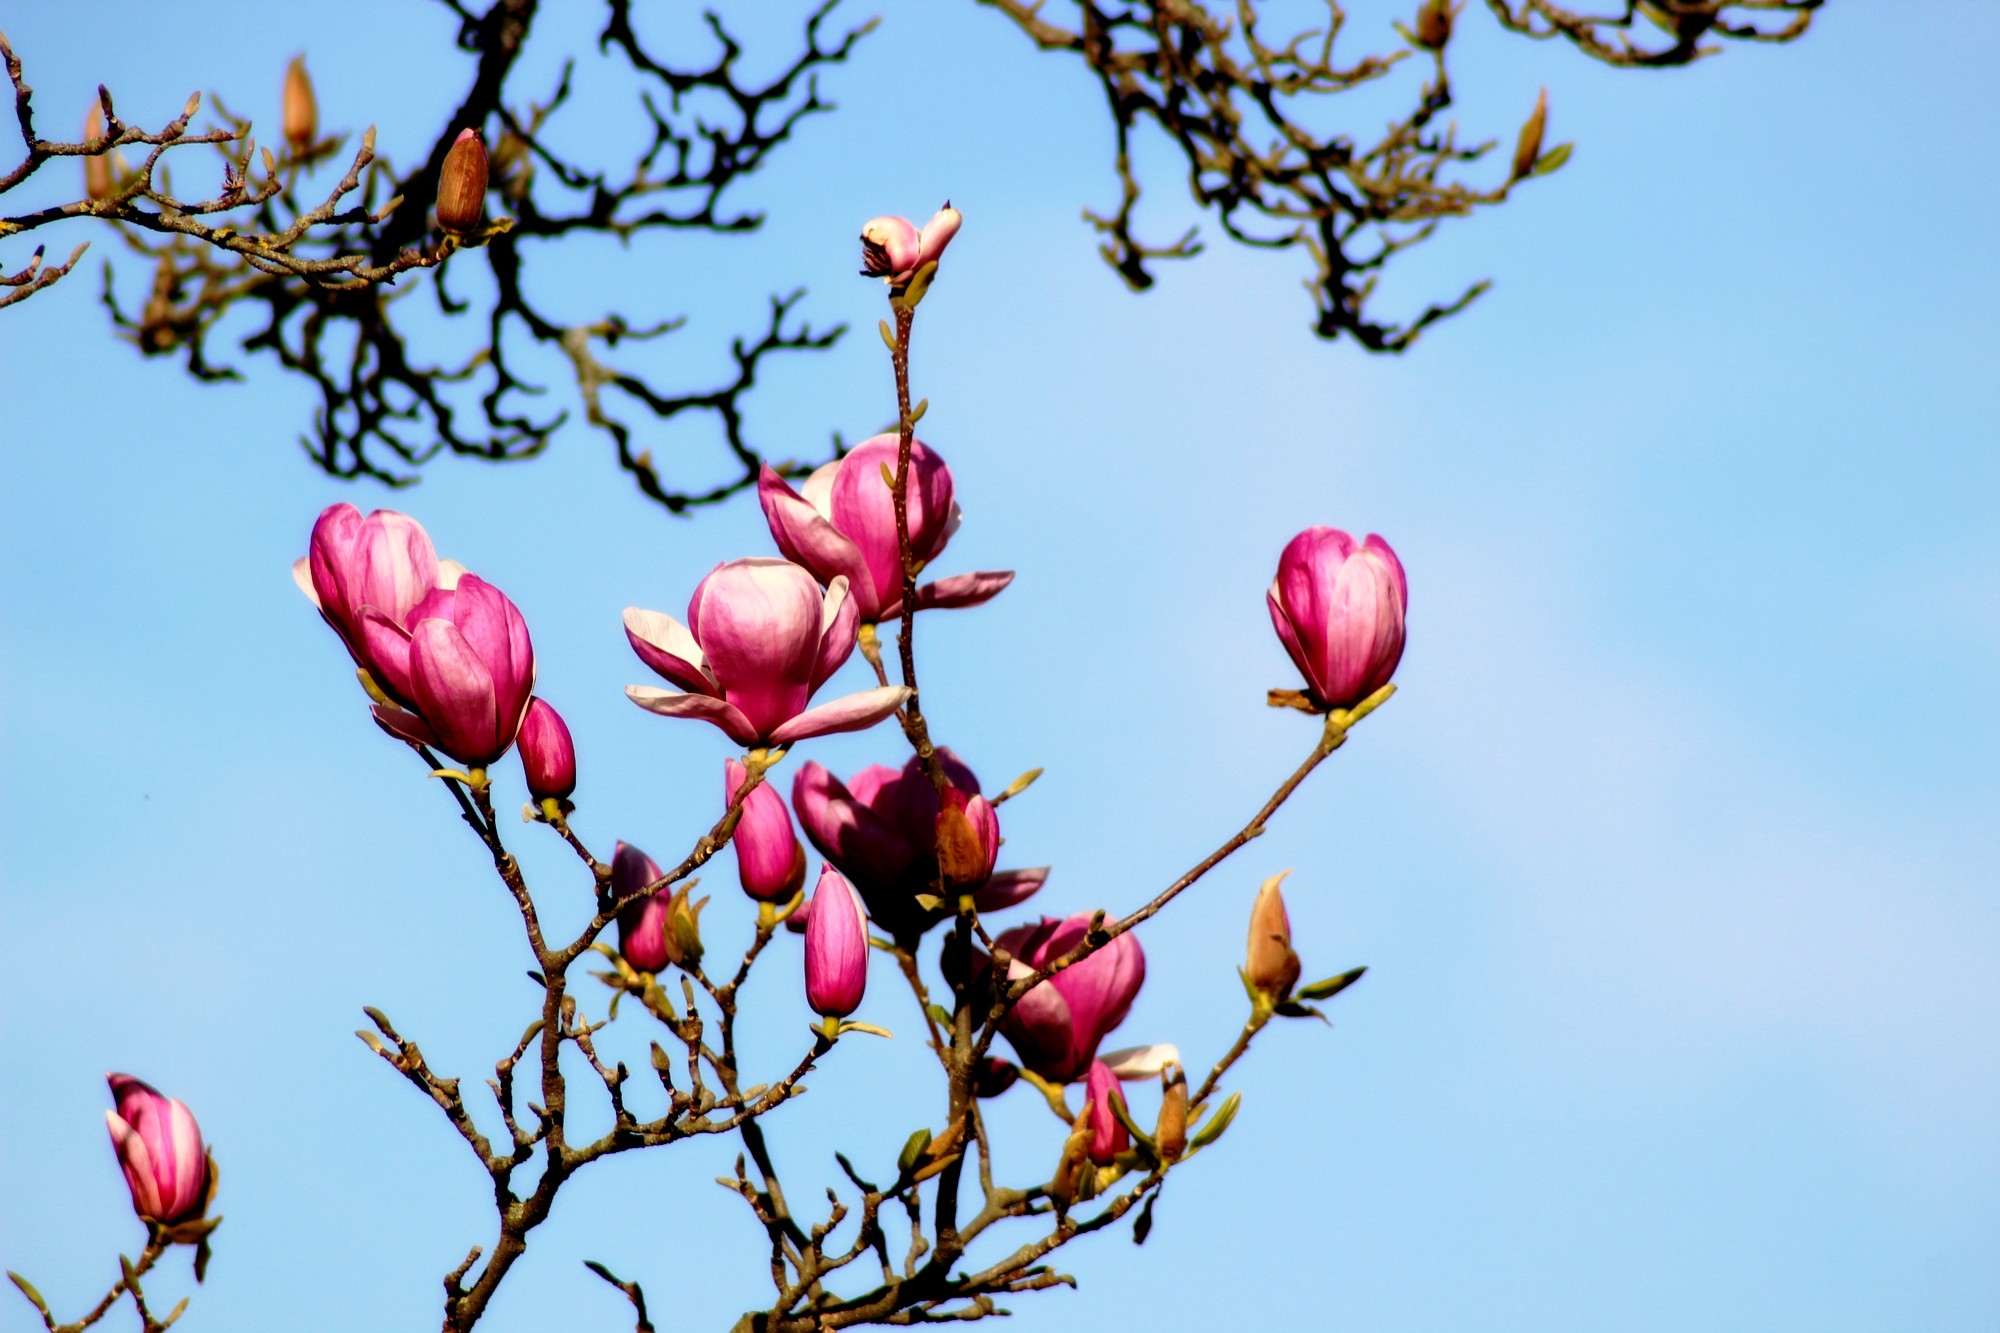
(888, 336)
(1552, 160)
(930, 902)
(917, 412)
(1332, 986)
(28, 1290)
(1293, 1009)
(919, 286)
(913, 1148)
(176, 1313)
(1218, 1122)
(1124, 1114)
(941, 1014)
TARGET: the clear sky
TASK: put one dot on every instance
(1673, 862)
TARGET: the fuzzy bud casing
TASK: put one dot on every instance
(1528, 148)
(1269, 964)
(461, 194)
(301, 108)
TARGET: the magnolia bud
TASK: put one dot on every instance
(548, 756)
(1528, 148)
(1270, 965)
(97, 169)
(968, 838)
(1108, 1136)
(1434, 21)
(1170, 1135)
(836, 947)
(301, 108)
(160, 1150)
(461, 193)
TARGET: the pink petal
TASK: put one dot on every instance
(1137, 1062)
(846, 831)
(136, 1161)
(669, 704)
(1009, 888)
(963, 589)
(454, 692)
(855, 712)
(839, 623)
(404, 726)
(759, 623)
(665, 645)
(805, 537)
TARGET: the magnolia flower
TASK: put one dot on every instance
(760, 638)
(548, 756)
(892, 248)
(845, 525)
(384, 561)
(769, 860)
(1057, 1026)
(836, 947)
(1108, 1136)
(160, 1151)
(880, 828)
(655, 929)
(1338, 607)
(466, 666)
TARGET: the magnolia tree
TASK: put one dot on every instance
(907, 887)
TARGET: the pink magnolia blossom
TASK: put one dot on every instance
(548, 756)
(880, 829)
(845, 525)
(465, 664)
(160, 1151)
(644, 921)
(769, 860)
(1056, 1027)
(1108, 1136)
(836, 947)
(1338, 606)
(894, 248)
(760, 638)
(384, 561)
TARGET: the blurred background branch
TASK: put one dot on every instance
(316, 280)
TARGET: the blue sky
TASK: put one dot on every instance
(1672, 861)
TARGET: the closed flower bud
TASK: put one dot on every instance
(1270, 965)
(1434, 23)
(836, 947)
(301, 108)
(1108, 1136)
(1338, 606)
(97, 182)
(548, 757)
(1528, 148)
(160, 1151)
(770, 863)
(968, 838)
(1170, 1135)
(655, 930)
(461, 193)
(465, 663)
